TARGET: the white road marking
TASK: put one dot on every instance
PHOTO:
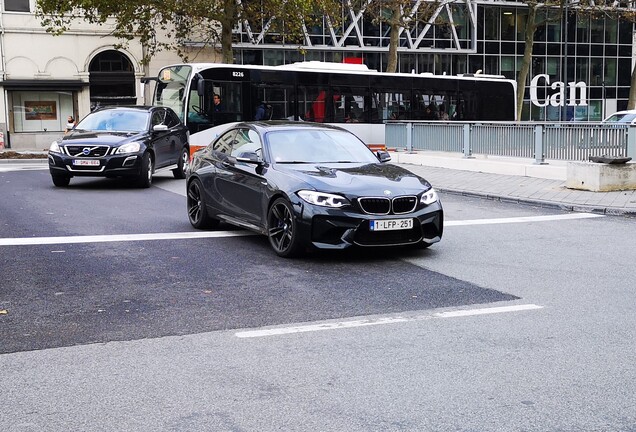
(522, 219)
(381, 321)
(120, 238)
(486, 311)
(213, 234)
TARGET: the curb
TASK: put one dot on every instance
(609, 211)
(24, 161)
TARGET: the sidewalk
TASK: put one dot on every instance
(501, 179)
(513, 180)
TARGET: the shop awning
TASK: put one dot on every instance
(42, 84)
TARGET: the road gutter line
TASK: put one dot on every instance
(522, 219)
(381, 321)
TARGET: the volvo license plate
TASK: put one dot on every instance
(391, 224)
(85, 162)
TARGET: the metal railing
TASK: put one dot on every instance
(540, 141)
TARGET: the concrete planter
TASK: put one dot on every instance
(601, 177)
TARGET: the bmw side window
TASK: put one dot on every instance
(224, 144)
(246, 141)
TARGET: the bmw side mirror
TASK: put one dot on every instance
(248, 157)
(383, 156)
(159, 128)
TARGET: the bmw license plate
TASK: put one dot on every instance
(86, 162)
(391, 224)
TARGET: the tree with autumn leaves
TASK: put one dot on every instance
(210, 22)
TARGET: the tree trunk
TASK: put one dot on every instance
(531, 27)
(227, 24)
(393, 49)
(394, 41)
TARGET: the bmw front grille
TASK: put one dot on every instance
(385, 205)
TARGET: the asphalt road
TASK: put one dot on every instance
(507, 324)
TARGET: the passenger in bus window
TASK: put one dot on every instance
(431, 112)
(263, 111)
(317, 112)
(443, 115)
(217, 103)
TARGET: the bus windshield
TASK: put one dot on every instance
(171, 88)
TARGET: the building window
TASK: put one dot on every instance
(112, 80)
(17, 6)
(32, 111)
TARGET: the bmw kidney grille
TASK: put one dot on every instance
(385, 206)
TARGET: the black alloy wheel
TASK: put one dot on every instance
(60, 180)
(145, 176)
(197, 210)
(181, 170)
(282, 229)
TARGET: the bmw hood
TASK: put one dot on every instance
(361, 179)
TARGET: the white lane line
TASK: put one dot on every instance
(120, 238)
(381, 321)
(486, 311)
(213, 234)
(523, 219)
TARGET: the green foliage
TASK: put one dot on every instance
(170, 24)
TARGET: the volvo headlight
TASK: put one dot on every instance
(55, 147)
(429, 197)
(323, 199)
(131, 147)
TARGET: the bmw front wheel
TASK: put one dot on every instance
(282, 229)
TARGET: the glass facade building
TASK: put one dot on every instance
(588, 59)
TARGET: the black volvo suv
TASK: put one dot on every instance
(126, 141)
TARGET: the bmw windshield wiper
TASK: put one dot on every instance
(294, 162)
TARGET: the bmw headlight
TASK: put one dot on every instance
(131, 147)
(429, 197)
(55, 147)
(323, 199)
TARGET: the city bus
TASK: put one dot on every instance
(208, 96)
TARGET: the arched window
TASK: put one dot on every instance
(112, 80)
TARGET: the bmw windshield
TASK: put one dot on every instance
(318, 146)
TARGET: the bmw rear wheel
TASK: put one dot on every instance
(282, 229)
(181, 170)
(197, 210)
